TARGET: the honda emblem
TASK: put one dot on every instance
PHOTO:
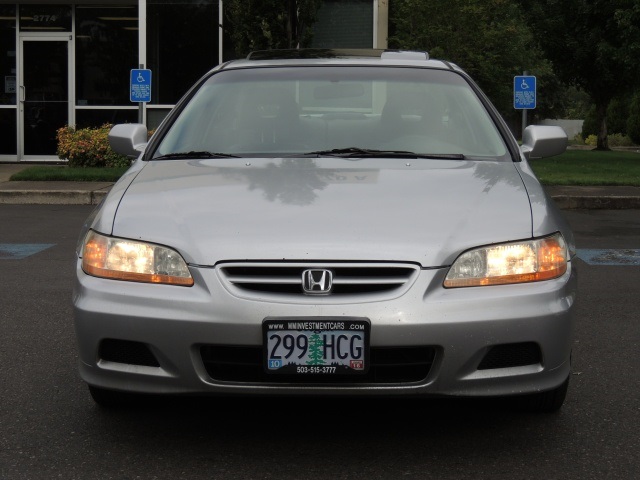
(317, 281)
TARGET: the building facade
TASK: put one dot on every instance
(70, 63)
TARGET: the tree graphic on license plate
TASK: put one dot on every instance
(316, 345)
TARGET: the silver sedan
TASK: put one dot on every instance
(329, 223)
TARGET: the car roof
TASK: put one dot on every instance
(325, 56)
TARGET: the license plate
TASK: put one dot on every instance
(316, 347)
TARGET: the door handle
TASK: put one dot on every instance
(23, 93)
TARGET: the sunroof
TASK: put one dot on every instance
(284, 54)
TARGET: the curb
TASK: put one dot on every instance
(51, 197)
(569, 202)
(94, 197)
(92, 193)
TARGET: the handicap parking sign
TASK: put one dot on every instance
(524, 92)
(140, 85)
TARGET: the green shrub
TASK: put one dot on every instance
(88, 147)
(617, 114)
(615, 140)
(619, 140)
(577, 140)
(633, 127)
(591, 140)
(590, 125)
(633, 122)
(623, 122)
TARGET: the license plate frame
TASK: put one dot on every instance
(347, 352)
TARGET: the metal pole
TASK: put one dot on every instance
(140, 104)
(524, 113)
(220, 31)
(142, 50)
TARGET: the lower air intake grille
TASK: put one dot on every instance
(511, 355)
(388, 365)
(126, 351)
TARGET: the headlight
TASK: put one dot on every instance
(122, 259)
(516, 262)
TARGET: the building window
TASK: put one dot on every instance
(8, 125)
(97, 117)
(8, 54)
(182, 45)
(155, 116)
(45, 18)
(106, 51)
(344, 24)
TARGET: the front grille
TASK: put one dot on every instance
(511, 355)
(126, 351)
(348, 279)
(387, 365)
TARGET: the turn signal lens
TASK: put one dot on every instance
(516, 262)
(122, 259)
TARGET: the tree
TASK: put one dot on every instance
(487, 38)
(270, 24)
(593, 44)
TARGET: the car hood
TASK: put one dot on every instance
(423, 211)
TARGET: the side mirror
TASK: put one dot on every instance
(541, 141)
(128, 139)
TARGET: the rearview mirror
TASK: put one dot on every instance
(128, 139)
(338, 90)
(541, 141)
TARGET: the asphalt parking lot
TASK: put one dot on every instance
(50, 427)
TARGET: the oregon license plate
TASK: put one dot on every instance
(316, 347)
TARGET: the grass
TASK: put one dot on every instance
(589, 167)
(69, 174)
(574, 167)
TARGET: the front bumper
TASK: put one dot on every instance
(461, 325)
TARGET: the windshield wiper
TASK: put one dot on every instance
(194, 154)
(356, 152)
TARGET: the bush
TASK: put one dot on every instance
(590, 125)
(591, 140)
(88, 147)
(633, 122)
(577, 140)
(617, 114)
(622, 117)
(619, 140)
(615, 140)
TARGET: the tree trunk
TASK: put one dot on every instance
(601, 116)
(292, 23)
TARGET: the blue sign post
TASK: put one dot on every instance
(140, 86)
(524, 92)
(524, 95)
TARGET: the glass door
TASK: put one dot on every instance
(43, 93)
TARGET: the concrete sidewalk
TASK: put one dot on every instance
(53, 193)
(91, 193)
(593, 198)
(48, 193)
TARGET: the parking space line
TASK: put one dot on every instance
(619, 256)
(18, 251)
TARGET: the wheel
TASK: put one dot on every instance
(544, 402)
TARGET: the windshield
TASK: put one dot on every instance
(285, 111)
